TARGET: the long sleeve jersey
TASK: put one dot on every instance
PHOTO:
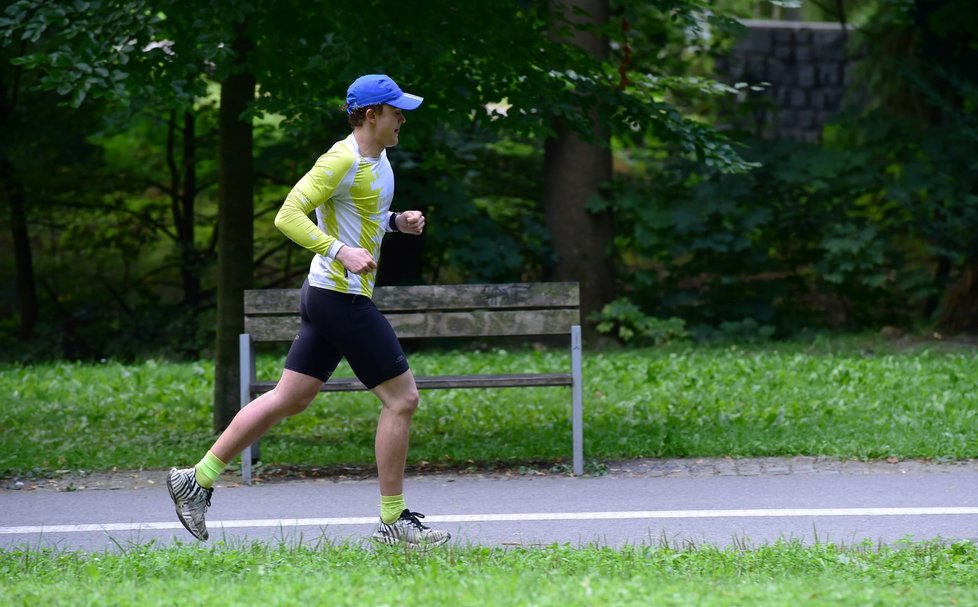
(351, 195)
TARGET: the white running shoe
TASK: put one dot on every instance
(409, 530)
(190, 499)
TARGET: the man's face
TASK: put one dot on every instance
(388, 126)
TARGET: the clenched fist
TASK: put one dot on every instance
(356, 260)
(410, 222)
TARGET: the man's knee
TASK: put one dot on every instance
(406, 402)
(292, 402)
(297, 406)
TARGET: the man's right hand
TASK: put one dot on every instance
(356, 260)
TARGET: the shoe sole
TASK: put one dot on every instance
(383, 541)
(169, 486)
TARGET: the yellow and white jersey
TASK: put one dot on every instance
(351, 195)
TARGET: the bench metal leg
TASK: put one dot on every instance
(577, 408)
(247, 375)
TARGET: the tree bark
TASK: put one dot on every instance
(941, 276)
(235, 231)
(183, 195)
(189, 256)
(960, 311)
(574, 172)
(13, 191)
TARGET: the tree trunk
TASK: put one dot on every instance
(189, 256)
(575, 171)
(235, 231)
(183, 195)
(13, 192)
(941, 276)
(960, 312)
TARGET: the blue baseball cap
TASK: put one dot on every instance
(374, 89)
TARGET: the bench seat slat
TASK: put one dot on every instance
(434, 297)
(351, 384)
(476, 323)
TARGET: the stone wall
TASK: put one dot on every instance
(804, 68)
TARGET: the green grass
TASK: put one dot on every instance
(786, 573)
(848, 398)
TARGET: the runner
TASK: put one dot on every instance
(350, 188)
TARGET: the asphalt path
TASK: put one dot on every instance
(620, 508)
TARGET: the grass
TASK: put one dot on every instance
(844, 397)
(785, 573)
(849, 398)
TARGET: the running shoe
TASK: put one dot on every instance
(409, 530)
(190, 499)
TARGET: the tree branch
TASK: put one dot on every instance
(162, 187)
(171, 163)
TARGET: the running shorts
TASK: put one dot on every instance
(334, 325)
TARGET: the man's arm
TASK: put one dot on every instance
(313, 190)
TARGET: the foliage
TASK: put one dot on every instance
(625, 320)
(662, 61)
(871, 226)
(856, 398)
(722, 248)
(743, 331)
(850, 232)
(493, 84)
(111, 50)
(787, 572)
(485, 223)
(119, 51)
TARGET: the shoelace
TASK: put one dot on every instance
(207, 496)
(413, 518)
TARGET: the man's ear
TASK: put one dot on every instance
(370, 115)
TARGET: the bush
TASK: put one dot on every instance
(626, 321)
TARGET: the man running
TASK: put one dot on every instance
(350, 188)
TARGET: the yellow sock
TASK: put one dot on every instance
(208, 470)
(391, 507)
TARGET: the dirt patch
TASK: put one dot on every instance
(80, 480)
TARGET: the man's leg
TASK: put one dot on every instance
(191, 488)
(290, 396)
(399, 397)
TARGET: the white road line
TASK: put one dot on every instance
(508, 517)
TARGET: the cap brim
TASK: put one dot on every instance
(406, 101)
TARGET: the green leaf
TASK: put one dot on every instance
(79, 96)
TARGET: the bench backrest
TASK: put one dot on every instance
(548, 308)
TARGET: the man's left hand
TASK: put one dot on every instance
(410, 222)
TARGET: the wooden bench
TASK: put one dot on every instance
(496, 310)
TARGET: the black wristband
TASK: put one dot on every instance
(392, 223)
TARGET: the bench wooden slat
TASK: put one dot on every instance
(434, 297)
(445, 382)
(477, 323)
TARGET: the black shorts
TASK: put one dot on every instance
(335, 325)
